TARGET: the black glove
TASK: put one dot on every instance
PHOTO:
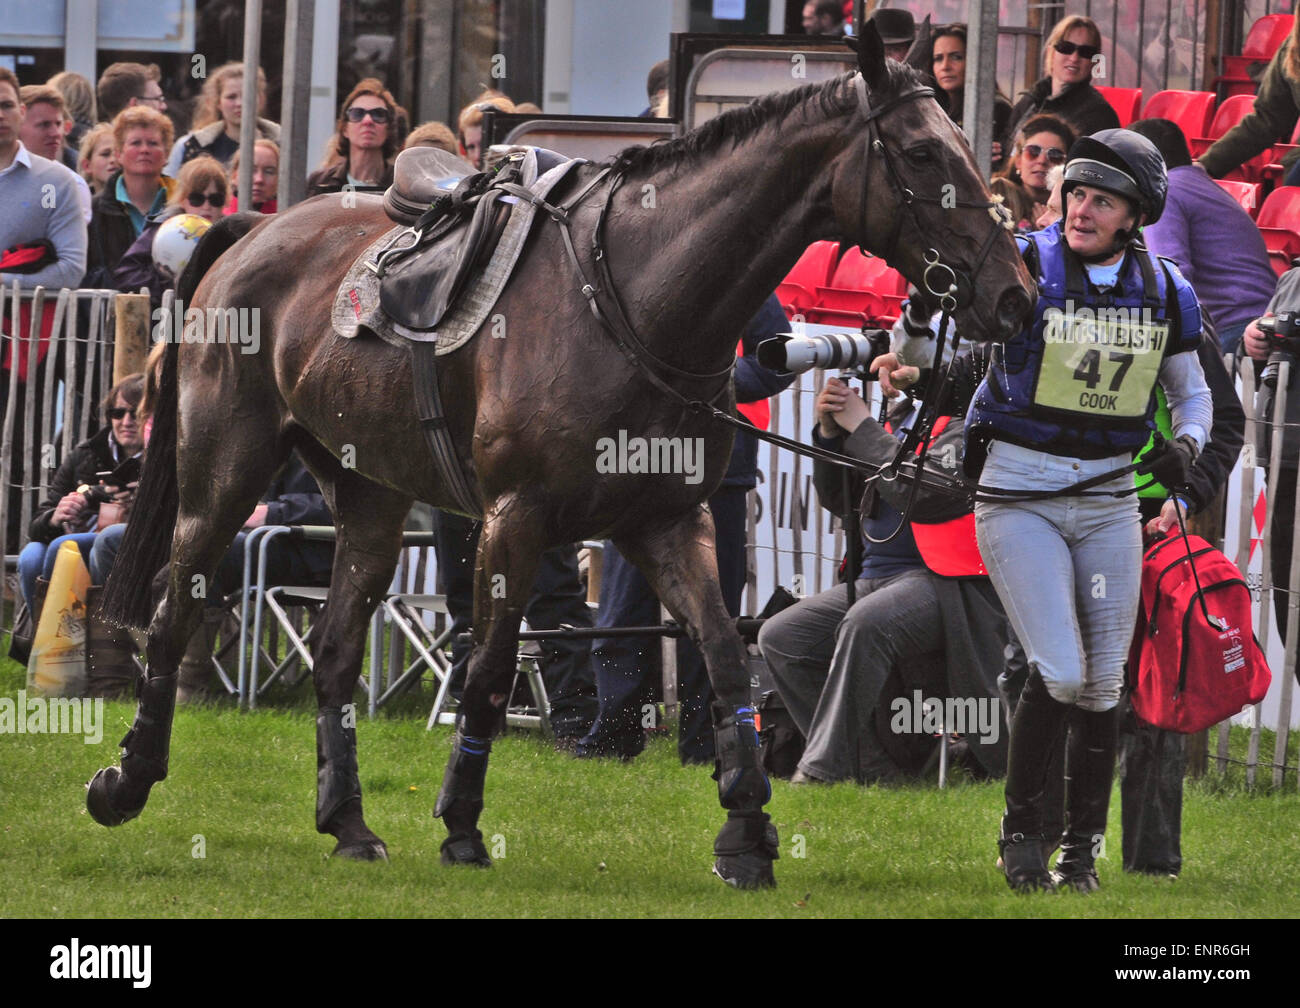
(916, 315)
(1169, 461)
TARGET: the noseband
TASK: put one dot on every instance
(952, 288)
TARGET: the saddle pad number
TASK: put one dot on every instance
(1103, 364)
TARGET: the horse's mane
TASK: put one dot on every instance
(832, 97)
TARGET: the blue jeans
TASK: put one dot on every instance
(37, 560)
(1068, 570)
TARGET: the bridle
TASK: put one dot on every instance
(951, 288)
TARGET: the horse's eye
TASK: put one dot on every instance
(920, 155)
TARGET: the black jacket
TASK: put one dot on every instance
(1214, 465)
(1080, 105)
(335, 177)
(111, 235)
(92, 456)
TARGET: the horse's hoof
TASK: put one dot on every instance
(751, 870)
(466, 849)
(99, 798)
(366, 850)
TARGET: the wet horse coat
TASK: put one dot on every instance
(696, 234)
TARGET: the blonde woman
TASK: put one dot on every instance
(1066, 90)
(220, 115)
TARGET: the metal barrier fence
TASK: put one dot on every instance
(53, 339)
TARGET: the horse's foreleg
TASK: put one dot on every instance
(680, 562)
(508, 553)
(368, 519)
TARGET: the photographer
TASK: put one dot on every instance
(79, 490)
(924, 613)
(1270, 340)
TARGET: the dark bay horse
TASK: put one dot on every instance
(697, 235)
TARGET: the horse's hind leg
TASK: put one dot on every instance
(368, 518)
(679, 561)
(218, 486)
(508, 553)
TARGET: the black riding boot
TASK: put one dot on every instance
(1090, 767)
(1035, 731)
(747, 845)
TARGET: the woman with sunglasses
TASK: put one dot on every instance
(360, 155)
(1023, 185)
(219, 118)
(1067, 89)
(200, 190)
(82, 483)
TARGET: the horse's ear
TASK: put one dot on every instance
(871, 57)
(918, 57)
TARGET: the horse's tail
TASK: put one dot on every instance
(146, 546)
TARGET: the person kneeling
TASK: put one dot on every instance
(922, 593)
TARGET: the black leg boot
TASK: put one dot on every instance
(460, 801)
(1090, 767)
(1035, 731)
(747, 845)
(118, 794)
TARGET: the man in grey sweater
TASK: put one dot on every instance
(38, 200)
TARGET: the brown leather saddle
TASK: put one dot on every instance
(454, 217)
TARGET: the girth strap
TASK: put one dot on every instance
(433, 422)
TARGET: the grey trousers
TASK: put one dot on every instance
(830, 662)
(1068, 570)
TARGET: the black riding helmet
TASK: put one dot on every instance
(1122, 162)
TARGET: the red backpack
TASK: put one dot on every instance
(1185, 672)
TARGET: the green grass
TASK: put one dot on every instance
(580, 839)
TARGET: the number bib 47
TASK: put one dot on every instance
(1100, 362)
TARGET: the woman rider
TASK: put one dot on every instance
(1071, 397)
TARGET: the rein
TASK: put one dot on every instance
(950, 287)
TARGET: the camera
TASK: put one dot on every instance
(1283, 333)
(95, 495)
(845, 351)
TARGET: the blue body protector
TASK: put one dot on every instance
(1080, 380)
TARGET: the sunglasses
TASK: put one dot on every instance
(118, 412)
(1054, 154)
(379, 115)
(1069, 48)
(198, 199)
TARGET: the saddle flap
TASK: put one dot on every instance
(418, 289)
(421, 175)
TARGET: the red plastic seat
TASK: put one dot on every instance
(815, 266)
(1279, 223)
(1191, 110)
(1245, 193)
(1226, 116)
(1263, 40)
(1125, 101)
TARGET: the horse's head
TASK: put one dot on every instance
(907, 188)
